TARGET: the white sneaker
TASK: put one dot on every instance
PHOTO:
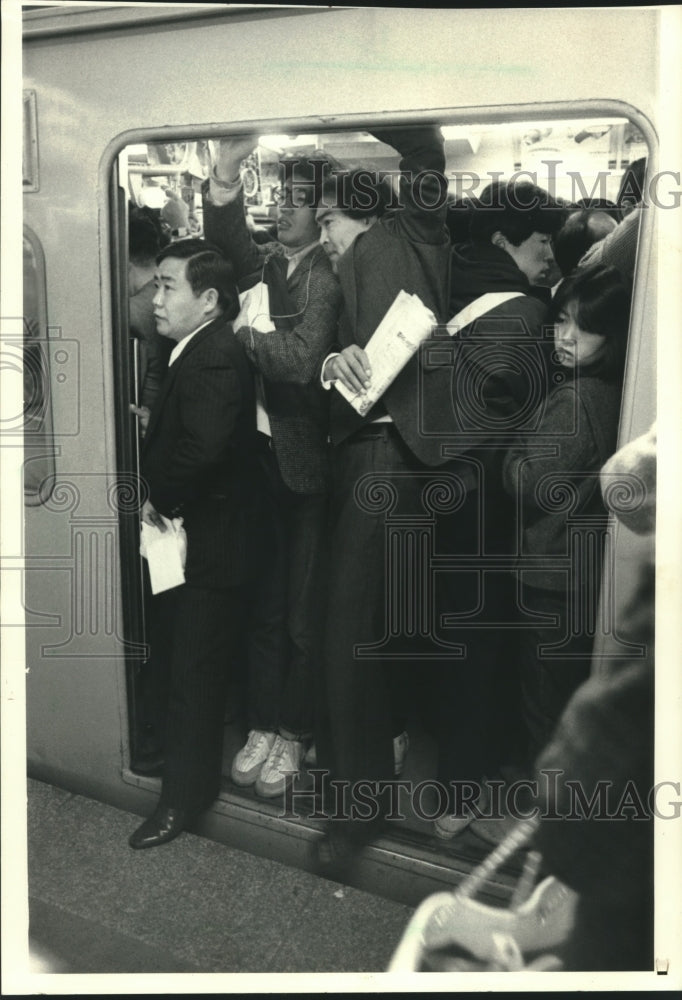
(447, 827)
(247, 764)
(284, 758)
(401, 744)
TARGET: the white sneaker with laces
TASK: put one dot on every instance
(247, 764)
(285, 757)
(447, 827)
(401, 744)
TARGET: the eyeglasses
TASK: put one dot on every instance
(292, 198)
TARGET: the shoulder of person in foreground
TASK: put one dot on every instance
(628, 482)
(619, 248)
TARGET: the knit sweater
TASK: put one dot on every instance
(553, 473)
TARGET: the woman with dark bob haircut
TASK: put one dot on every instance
(553, 472)
(592, 302)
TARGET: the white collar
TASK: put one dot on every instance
(294, 257)
(182, 344)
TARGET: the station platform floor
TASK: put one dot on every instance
(194, 905)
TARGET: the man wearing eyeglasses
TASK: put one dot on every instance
(286, 345)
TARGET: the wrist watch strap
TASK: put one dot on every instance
(225, 185)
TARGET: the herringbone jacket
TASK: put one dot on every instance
(289, 360)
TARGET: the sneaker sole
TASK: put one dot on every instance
(443, 835)
(244, 780)
(272, 791)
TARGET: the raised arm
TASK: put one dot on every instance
(223, 202)
(423, 185)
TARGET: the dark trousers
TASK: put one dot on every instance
(460, 698)
(153, 675)
(376, 482)
(284, 640)
(206, 626)
(548, 677)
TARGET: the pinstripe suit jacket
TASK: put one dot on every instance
(289, 360)
(198, 457)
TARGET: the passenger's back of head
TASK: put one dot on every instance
(600, 205)
(631, 188)
(581, 230)
(146, 238)
(515, 209)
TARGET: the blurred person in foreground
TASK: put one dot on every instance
(605, 738)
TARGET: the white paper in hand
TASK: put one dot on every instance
(255, 309)
(406, 324)
(165, 554)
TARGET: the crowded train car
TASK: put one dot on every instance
(403, 592)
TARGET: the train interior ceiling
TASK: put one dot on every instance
(574, 159)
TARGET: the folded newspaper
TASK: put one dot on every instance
(165, 552)
(404, 327)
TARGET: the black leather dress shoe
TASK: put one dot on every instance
(341, 844)
(162, 826)
(151, 767)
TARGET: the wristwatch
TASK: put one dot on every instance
(226, 185)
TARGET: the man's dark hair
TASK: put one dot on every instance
(307, 172)
(632, 184)
(515, 209)
(601, 304)
(206, 267)
(145, 236)
(579, 232)
(600, 205)
(358, 192)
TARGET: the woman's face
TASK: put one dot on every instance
(573, 345)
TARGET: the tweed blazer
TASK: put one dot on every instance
(289, 360)
(198, 458)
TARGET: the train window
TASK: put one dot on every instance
(581, 162)
(36, 418)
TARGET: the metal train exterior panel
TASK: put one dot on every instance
(110, 79)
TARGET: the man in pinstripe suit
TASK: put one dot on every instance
(198, 463)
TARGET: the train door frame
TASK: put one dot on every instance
(113, 253)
